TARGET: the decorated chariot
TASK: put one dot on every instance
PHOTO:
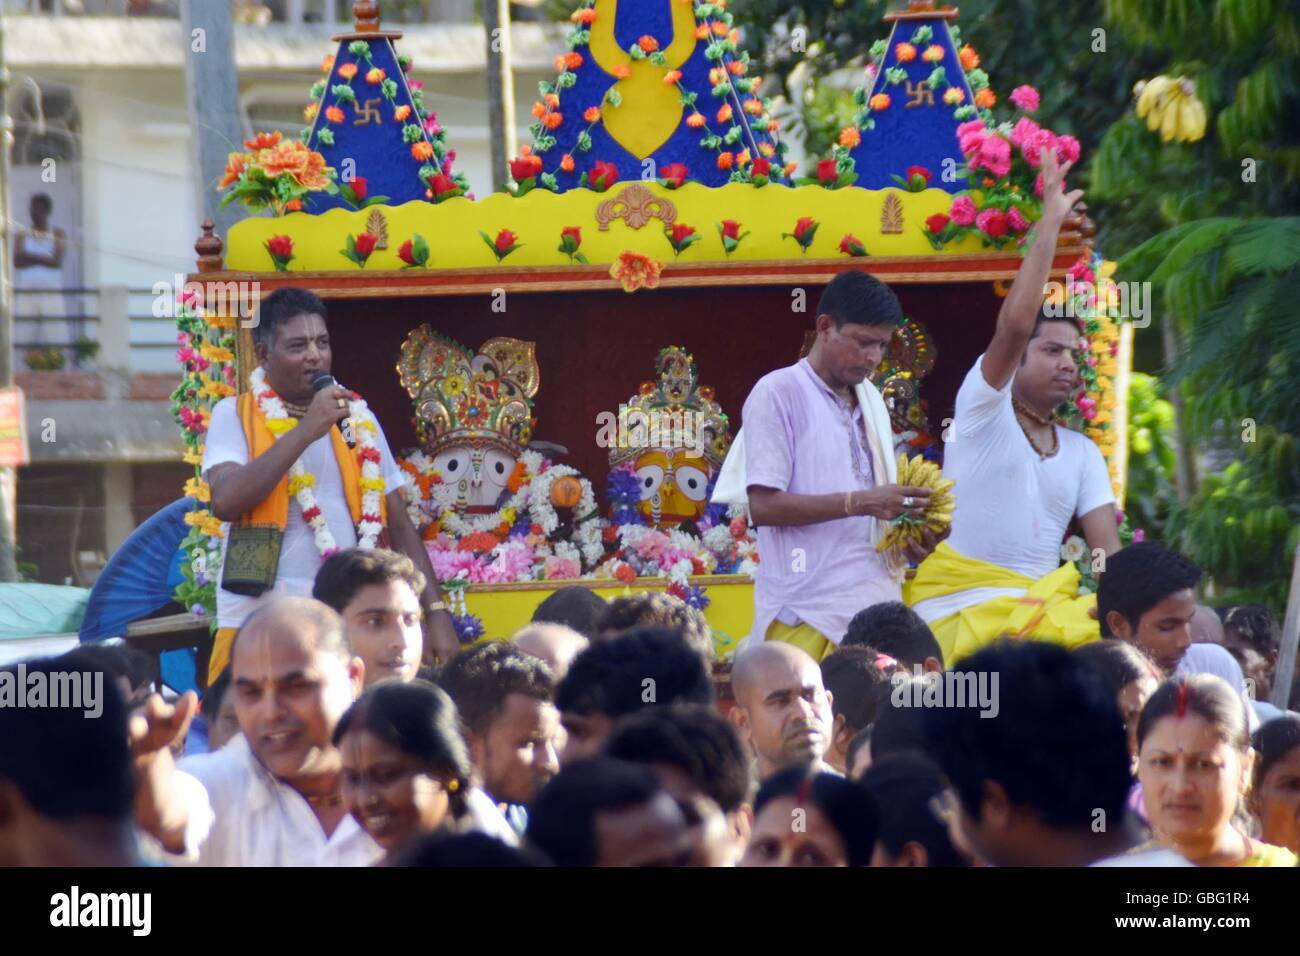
(563, 365)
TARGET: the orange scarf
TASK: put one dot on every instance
(274, 509)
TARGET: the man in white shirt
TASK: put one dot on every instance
(271, 796)
(247, 471)
(1020, 478)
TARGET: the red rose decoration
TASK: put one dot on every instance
(730, 229)
(919, 177)
(681, 237)
(359, 188)
(505, 239)
(441, 185)
(525, 167)
(826, 171)
(673, 175)
(761, 167)
(281, 251)
(366, 243)
(603, 175)
(936, 222)
(851, 245)
(804, 231)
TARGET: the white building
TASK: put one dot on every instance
(104, 98)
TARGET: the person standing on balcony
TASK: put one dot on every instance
(287, 465)
(38, 268)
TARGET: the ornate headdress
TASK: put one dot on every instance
(676, 408)
(463, 398)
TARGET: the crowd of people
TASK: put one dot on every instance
(981, 709)
(602, 734)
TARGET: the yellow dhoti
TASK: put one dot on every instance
(803, 636)
(1051, 610)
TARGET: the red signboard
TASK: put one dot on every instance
(13, 429)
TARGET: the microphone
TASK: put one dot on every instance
(325, 380)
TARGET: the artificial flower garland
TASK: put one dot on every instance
(302, 482)
(206, 357)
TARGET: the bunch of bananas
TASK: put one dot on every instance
(920, 473)
(1171, 106)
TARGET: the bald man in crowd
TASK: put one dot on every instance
(271, 796)
(782, 707)
(556, 644)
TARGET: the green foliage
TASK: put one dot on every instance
(1151, 461)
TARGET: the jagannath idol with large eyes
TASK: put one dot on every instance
(671, 439)
(490, 509)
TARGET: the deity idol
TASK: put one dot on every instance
(473, 412)
(675, 437)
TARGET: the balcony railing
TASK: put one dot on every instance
(76, 328)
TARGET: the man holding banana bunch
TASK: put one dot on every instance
(1020, 477)
(815, 460)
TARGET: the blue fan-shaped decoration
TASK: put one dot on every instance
(141, 575)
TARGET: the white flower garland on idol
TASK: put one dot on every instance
(587, 524)
(302, 482)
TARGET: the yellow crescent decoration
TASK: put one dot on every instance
(651, 109)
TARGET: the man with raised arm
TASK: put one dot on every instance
(1020, 477)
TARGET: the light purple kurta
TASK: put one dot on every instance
(801, 438)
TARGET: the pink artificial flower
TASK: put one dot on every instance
(415, 84)
(1025, 97)
(1068, 147)
(559, 569)
(1119, 516)
(994, 154)
(1032, 147)
(1016, 220)
(1139, 536)
(1087, 407)
(1080, 272)
(962, 211)
(1024, 129)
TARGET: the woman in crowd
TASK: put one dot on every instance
(838, 818)
(1275, 796)
(406, 769)
(1194, 761)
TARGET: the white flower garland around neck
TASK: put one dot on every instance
(302, 482)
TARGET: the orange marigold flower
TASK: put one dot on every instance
(954, 95)
(263, 141)
(553, 100)
(573, 59)
(985, 99)
(755, 83)
(734, 37)
(347, 70)
(695, 120)
(790, 167)
(717, 76)
(559, 63)
(773, 125)
(724, 113)
(293, 205)
(422, 150)
(585, 16)
(327, 64)
(539, 109)
(334, 114)
(702, 31)
(736, 68)
(672, 76)
(566, 163)
(622, 71)
(375, 75)
(309, 111)
(553, 120)
(648, 44)
(743, 158)
(753, 107)
(904, 52)
(591, 114)
(850, 137)
(235, 165)
(726, 160)
(767, 149)
(933, 53)
(969, 58)
(401, 113)
(879, 102)
(719, 28)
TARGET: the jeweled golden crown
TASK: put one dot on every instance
(677, 390)
(465, 398)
